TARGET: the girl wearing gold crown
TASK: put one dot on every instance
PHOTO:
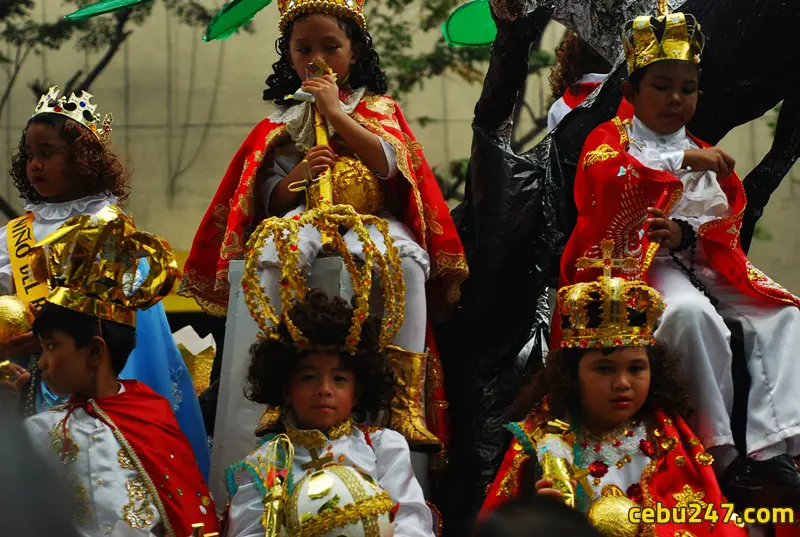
(323, 386)
(607, 431)
(65, 167)
(676, 205)
(377, 166)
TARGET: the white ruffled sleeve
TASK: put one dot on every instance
(396, 476)
(6, 278)
(247, 506)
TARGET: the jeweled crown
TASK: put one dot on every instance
(291, 9)
(93, 264)
(77, 108)
(670, 36)
(609, 312)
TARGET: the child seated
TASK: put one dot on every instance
(613, 394)
(324, 389)
(647, 183)
(117, 440)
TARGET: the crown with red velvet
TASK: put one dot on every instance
(291, 9)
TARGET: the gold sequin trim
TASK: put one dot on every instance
(688, 497)
(510, 481)
(603, 153)
(380, 104)
(704, 458)
(138, 513)
(62, 444)
(315, 439)
(125, 462)
(340, 517)
(83, 511)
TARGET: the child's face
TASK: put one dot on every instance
(613, 387)
(65, 368)
(319, 37)
(46, 162)
(667, 96)
(321, 393)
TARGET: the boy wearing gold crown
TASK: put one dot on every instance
(376, 167)
(675, 205)
(66, 167)
(607, 431)
(128, 462)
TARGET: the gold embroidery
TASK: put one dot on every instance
(705, 458)
(669, 443)
(601, 154)
(125, 462)
(369, 428)
(413, 146)
(232, 248)
(431, 215)
(380, 104)
(63, 445)
(138, 513)
(313, 438)
(83, 511)
(694, 441)
(680, 460)
(508, 485)
(219, 215)
(391, 123)
(688, 497)
(684, 533)
(624, 140)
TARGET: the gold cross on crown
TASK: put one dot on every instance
(607, 261)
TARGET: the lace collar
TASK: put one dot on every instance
(314, 438)
(644, 135)
(68, 209)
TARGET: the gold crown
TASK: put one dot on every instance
(681, 39)
(78, 109)
(291, 9)
(92, 265)
(609, 312)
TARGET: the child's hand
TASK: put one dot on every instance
(320, 158)
(710, 159)
(13, 377)
(22, 345)
(664, 231)
(545, 488)
(326, 94)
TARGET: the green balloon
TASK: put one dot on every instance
(470, 25)
(101, 8)
(232, 17)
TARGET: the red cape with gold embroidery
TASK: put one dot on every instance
(680, 471)
(612, 193)
(144, 420)
(234, 214)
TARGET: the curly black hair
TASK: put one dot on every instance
(90, 162)
(365, 72)
(325, 322)
(558, 381)
(575, 58)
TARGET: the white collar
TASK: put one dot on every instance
(68, 209)
(643, 134)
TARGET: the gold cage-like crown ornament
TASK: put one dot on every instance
(78, 108)
(92, 265)
(291, 9)
(609, 312)
(681, 39)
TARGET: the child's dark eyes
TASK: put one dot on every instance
(605, 369)
(307, 377)
(340, 378)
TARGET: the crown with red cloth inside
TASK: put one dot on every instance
(78, 108)
(680, 39)
(291, 9)
(609, 312)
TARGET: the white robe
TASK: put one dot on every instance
(107, 488)
(387, 461)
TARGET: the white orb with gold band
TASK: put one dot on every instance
(339, 501)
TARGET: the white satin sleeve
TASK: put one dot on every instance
(247, 506)
(396, 476)
(391, 160)
(6, 277)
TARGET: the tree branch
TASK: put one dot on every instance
(113, 47)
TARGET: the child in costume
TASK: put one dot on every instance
(646, 184)
(65, 167)
(377, 168)
(117, 441)
(324, 386)
(608, 414)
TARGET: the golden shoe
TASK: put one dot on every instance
(407, 416)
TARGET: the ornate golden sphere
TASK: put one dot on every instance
(609, 516)
(355, 184)
(15, 317)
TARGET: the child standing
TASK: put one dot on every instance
(373, 150)
(119, 443)
(613, 393)
(647, 183)
(64, 168)
(323, 389)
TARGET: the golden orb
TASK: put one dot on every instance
(609, 516)
(355, 184)
(15, 317)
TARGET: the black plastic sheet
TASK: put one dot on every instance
(518, 209)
